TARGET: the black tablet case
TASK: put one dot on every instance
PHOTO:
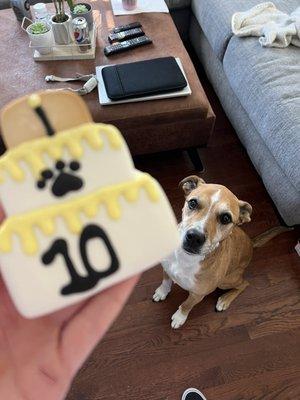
(143, 78)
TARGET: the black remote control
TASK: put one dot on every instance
(127, 45)
(122, 28)
(125, 35)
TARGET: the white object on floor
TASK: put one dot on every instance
(143, 6)
(192, 390)
(106, 101)
(273, 27)
(297, 248)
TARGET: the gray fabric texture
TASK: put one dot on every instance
(4, 4)
(267, 84)
(280, 188)
(214, 17)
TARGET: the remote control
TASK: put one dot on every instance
(127, 45)
(122, 28)
(125, 35)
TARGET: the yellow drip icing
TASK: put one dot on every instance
(96, 142)
(72, 140)
(72, 221)
(6, 243)
(113, 207)
(114, 138)
(76, 149)
(131, 194)
(15, 170)
(54, 151)
(47, 226)
(91, 209)
(153, 194)
(28, 241)
(45, 219)
(35, 162)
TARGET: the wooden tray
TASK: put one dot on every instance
(69, 51)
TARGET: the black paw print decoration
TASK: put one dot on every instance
(63, 180)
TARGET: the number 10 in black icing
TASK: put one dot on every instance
(82, 283)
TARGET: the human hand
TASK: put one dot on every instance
(39, 357)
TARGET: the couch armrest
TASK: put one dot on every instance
(177, 4)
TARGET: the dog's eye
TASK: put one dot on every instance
(193, 204)
(225, 218)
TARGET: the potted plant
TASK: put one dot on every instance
(61, 24)
(82, 10)
(41, 37)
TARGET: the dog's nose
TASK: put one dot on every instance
(195, 237)
(193, 240)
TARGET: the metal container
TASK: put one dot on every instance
(21, 9)
(81, 33)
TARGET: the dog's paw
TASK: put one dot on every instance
(178, 319)
(223, 303)
(160, 293)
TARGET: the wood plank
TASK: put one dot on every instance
(282, 384)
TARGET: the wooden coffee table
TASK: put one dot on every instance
(150, 126)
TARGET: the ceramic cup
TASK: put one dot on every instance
(42, 42)
(62, 31)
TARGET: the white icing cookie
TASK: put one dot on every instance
(80, 218)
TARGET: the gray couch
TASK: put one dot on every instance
(259, 89)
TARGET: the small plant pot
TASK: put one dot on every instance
(62, 31)
(42, 42)
(88, 15)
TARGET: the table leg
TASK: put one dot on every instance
(195, 158)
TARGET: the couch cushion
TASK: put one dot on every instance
(4, 4)
(214, 16)
(267, 83)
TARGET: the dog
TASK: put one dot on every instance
(214, 251)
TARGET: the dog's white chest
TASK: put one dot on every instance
(182, 269)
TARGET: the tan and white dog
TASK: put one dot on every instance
(214, 251)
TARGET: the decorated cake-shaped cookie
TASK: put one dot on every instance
(79, 216)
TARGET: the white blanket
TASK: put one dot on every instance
(273, 27)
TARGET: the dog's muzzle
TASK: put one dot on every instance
(193, 241)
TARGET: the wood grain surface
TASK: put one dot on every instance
(249, 352)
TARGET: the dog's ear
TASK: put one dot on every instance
(190, 183)
(245, 212)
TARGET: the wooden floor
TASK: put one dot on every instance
(251, 351)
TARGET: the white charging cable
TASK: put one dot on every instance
(89, 86)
